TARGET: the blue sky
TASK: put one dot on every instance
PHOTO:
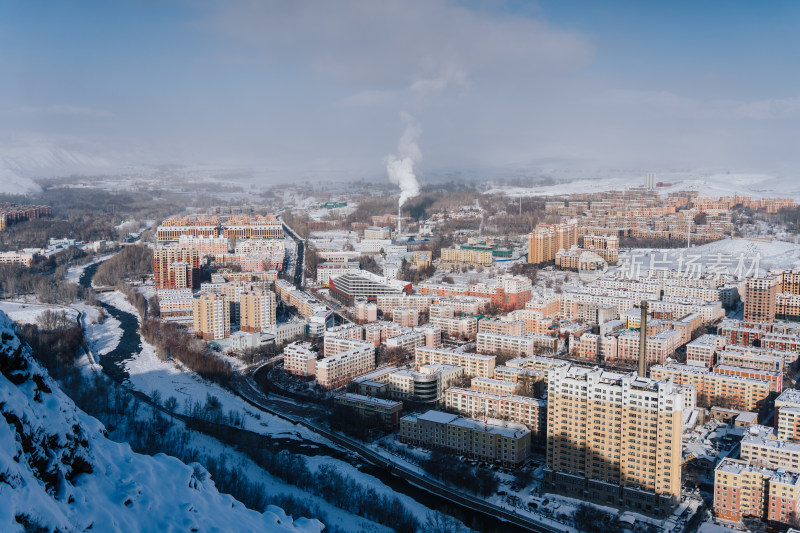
(318, 87)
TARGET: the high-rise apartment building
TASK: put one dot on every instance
(257, 310)
(212, 316)
(186, 275)
(760, 295)
(614, 438)
(547, 239)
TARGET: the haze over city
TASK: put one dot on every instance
(302, 89)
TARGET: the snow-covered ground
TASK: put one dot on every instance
(706, 183)
(102, 337)
(772, 254)
(118, 300)
(28, 313)
(74, 273)
(100, 484)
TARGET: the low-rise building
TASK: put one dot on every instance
(388, 412)
(462, 326)
(531, 412)
(300, 360)
(494, 386)
(474, 364)
(426, 385)
(742, 393)
(702, 351)
(496, 343)
(506, 443)
(338, 370)
(763, 445)
(744, 490)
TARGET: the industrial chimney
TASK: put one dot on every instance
(399, 228)
(643, 341)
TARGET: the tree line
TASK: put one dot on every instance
(172, 342)
(133, 261)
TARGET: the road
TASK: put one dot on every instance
(250, 392)
(299, 272)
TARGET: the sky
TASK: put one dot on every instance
(322, 88)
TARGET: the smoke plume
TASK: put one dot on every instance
(400, 167)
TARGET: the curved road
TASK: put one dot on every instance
(250, 392)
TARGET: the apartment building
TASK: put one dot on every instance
(522, 376)
(503, 327)
(760, 297)
(548, 305)
(288, 331)
(173, 228)
(388, 412)
(252, 227)
(762, 445)
(176, 305)
(741, 393)
(257, 310)
(373, 246)
(773, 377)
(703, 350)
(506, 443)
(405, 316)
(570, 302)
(497, 343)
(614, 438)
(464, 305)
(205, 245)
(444, 290)
(494, 385)
(744, 490)
(547, 239)
(300, 360)
(762, 359)
(478, 404)
(709, 311)
(185, 276)
(420, 302)
(534, 321)
(587, 346)
(536, 362)
(467, 256)
(338, 370)
(659, 347)
(474, 364)
(211, 316)
(787, 415)
(179, 275)
(406, 341)
(325, 271)
(366, 311)
(596, 313)
(462, 327)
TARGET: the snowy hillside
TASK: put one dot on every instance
(706, 183)
(58, 472)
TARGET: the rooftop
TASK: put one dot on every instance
(789, 396)
(368, 399)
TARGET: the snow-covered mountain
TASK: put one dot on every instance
(58, 471)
